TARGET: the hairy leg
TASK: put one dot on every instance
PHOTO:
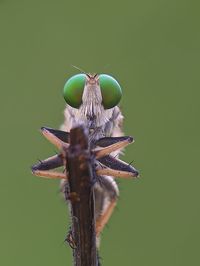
(106, 194)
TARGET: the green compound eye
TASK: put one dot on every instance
(110, 90)
(73, 90)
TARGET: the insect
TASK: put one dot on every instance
(92, 100)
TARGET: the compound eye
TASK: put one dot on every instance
(73, 90)
(110, 90)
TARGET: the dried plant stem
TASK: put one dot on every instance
(79, 162)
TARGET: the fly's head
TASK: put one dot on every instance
(91, 98)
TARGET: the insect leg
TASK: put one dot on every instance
(101, 152)
(50, 174)
(103, 219)
(114, 173)
(43, 167)
(107, 141)
(53, 138)
(62, 135)
(106, 194)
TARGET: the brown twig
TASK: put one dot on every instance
(79, 162)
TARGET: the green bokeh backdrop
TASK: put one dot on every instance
(153, 49)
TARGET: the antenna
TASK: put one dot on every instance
(81, 70)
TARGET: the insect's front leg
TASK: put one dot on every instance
(60, 139)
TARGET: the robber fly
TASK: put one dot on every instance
(92, 101)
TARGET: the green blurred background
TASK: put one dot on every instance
(153, 49)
